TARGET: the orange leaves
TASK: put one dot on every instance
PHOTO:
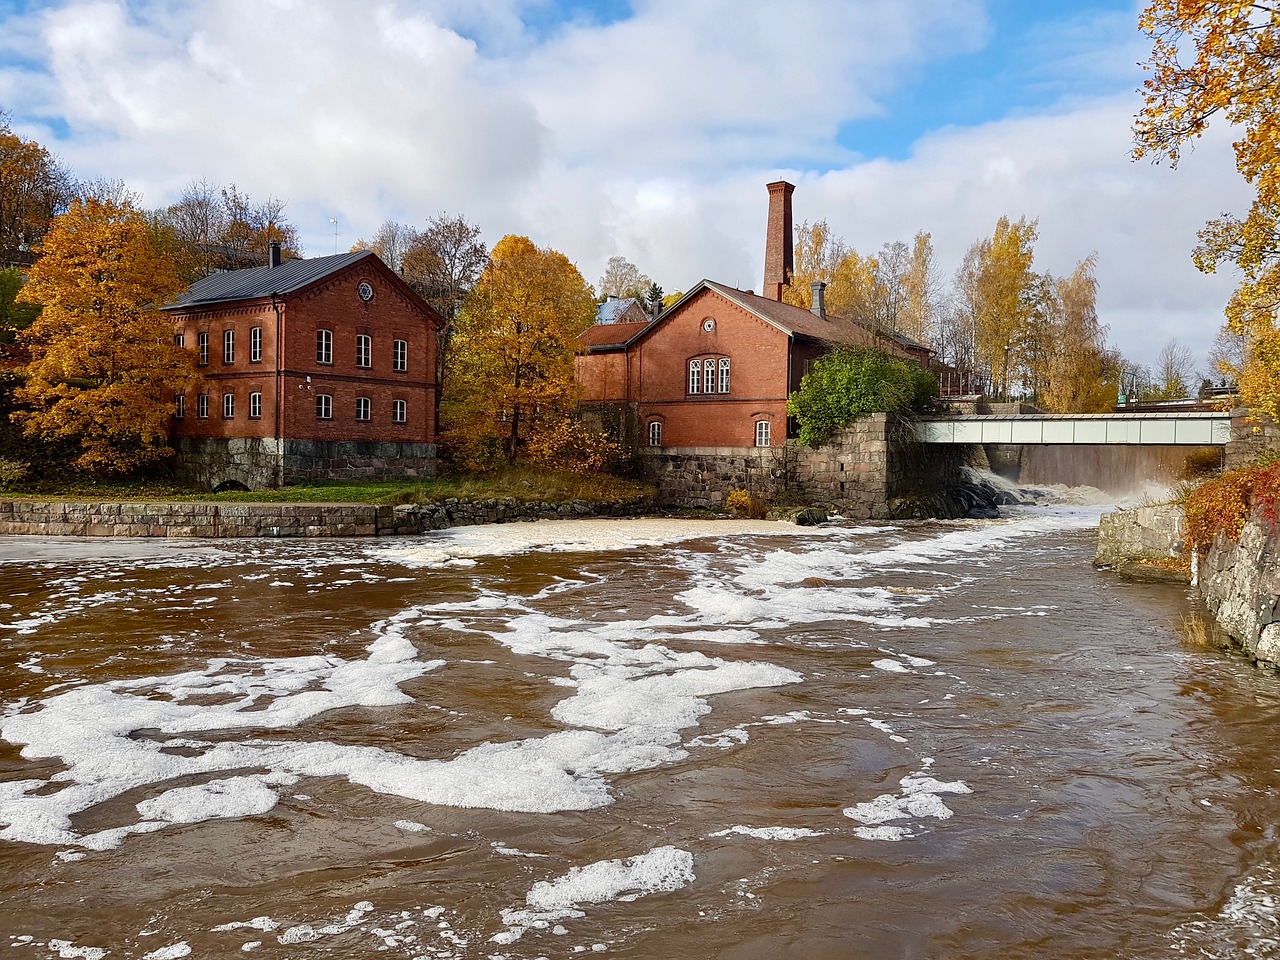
(1215, 58)
(104, 367)
(516, 340)
(1223, 504)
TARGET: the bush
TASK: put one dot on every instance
(12, 474)
(1223, 504)
(569, 444)
(850, 383)
(742, 504)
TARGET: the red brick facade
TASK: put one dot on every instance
(275, 390)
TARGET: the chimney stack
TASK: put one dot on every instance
(779, 263)
(819, 308)
(274, 260)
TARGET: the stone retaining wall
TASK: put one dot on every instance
(862, 473)
(1139, 543)
(1240, 584)
(80, 519)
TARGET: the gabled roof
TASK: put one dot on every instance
(791, 320)
(256, 282)
(611, 310)
(601, 337)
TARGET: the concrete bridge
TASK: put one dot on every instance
(1191, 429)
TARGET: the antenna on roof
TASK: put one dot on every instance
(334, 221)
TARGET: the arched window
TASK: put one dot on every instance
(762, 433)
(724, 374)
(695, 376)
(709, 375)
(655, 434)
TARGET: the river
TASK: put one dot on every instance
(633, 738)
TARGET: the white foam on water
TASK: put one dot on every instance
(1247, 925)
(572, 536)
(891, 666)
(662, 869)
(67, 950)
(174, 951)
(411, 826)
(769, 833)
(919, 799)
(265, 924)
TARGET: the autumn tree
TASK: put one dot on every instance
(622, 278)
(34, 188)
(103, 366)
(1175, 371)
(214, 228)
(922, 293)
(1221, 59)
(514, 348)
(1083, 374)
(995, 286)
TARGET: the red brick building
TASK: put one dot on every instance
(311, 369)
(715, 370)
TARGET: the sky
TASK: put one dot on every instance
(647, 128)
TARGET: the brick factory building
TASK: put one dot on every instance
(715, 370)
(321, 368)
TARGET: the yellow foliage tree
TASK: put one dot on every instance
(1083, 375)
(514, 346)
(1221, 58)
(997, 289)
(104, 366)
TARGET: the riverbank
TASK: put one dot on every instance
(218, 520)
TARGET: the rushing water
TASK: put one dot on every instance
(641, 738)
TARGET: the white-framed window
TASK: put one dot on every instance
(655, 434)
(324, 346)
(179, 340)
(724, 374)
(399, 411)
(180, 406)
(255, 405)
(709, 375)
(228, 346)
(762, 433)
(202, 406)
(364, 409)
(255, 344)
(228, 406)
(400, 355)
(202, 348)
(364, 350)
(695, 376)
(324, 406)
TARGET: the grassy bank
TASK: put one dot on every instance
(520, 483)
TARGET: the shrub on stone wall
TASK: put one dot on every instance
(1224, 503)
(850, 383)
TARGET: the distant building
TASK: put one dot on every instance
(621, 310)
(322, 368)
(716, 368)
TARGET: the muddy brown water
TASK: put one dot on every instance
(959, 741)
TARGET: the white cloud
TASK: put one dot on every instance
(650, 137)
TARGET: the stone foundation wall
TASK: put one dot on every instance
(1144, 543)
(1240, 584)
(265, 463)
(41, 518)
(862, 473)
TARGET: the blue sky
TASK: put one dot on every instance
(645, 129)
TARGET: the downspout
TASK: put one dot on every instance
(279, 351)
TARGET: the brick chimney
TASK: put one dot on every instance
(779, 263)
(819, 291)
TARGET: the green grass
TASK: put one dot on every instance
(520, 483)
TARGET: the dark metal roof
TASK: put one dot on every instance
(256, 282)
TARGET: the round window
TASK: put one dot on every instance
(708, 324)
(365, 290)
